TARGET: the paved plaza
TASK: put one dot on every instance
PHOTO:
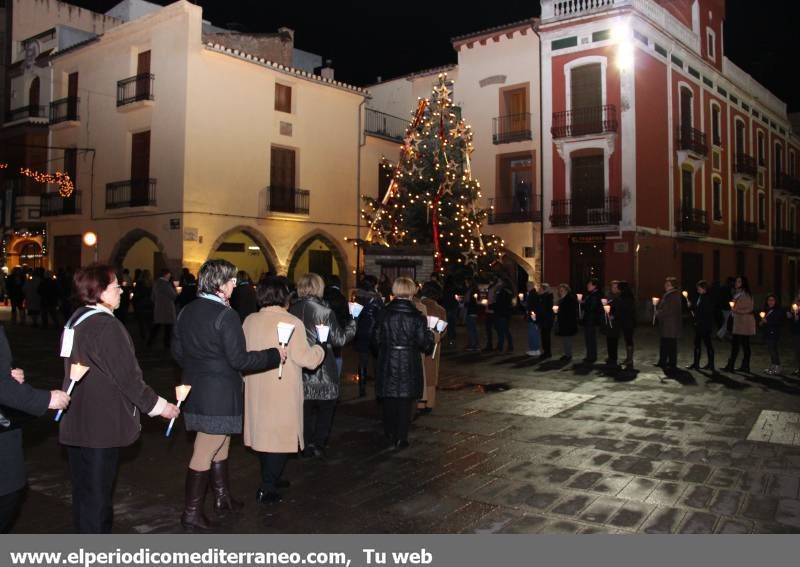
(513, 447)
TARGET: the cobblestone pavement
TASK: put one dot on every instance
(513, 447)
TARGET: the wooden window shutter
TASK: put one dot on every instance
(283, 98)
(586, 86)
(143, 63)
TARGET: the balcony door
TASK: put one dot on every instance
(587, 189)
(514, 113)
(33, 98)
(739, 137)
(282, 176)
(686, 111)
(72, 94)
(143, 75)
(687, 191)
(740, 206)
(140, 169)
(586, 99)
(779, 224)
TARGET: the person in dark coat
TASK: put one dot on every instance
(472, 305)
(793, 314)
(704, 313)
(14, 284)
(593, 317)
(164, 312)
(625, 318)
(107, 403)
(143, 301)
(372, 304)
(502, 315)
(321, 385)
(188, 292)
(243, 298)
(336, 300)
(543, 307)
(771, 324)
(48, 291)
(16, 395)
(528, 303)
(209, 345)
(566, 319)
(400, 336)
(612, 327)
(669, 313)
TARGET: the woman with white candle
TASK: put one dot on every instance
(566, 319)
(669, 312)
(771, 320)
(401, 336)
(744, 324)
(18, 396)
(209, 345)
(273, 407)
(430, 295)
(322, 383)
(104, 411)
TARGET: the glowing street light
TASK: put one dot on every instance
(90, 240)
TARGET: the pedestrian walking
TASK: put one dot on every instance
(703, 321)
(771, 323)
(489, 324)
(566, 319)
(243, 298)
(593, 317)
(188, 292)
(612, 327)
(401, 337)
(125, 282)
(104, 410)
(164, 313)
(371, 301)
(16, 395)
(742, 324)
(48, 291)
(16, 295)
(321, 385)
(273, 403)
(669, 312)
(502, 315)
(451, 306)
(725, 298)
(210, 347)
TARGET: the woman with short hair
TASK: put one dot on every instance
(104, 410)
(743, 324)
(400, 336)
(669, 312)
(273, 416)
(210, 347)
(320, 384)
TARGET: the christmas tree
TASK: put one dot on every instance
(433, 198)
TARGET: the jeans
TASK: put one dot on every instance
(452, 323)
(566, 346)
(534, 337)
(93, 473)
(317, 421)
(271, 469)
(363, 370)
(397, 418)
(339, 364)
(472, 331)
(743, 342)
(490, 325)
(501, 325)
(590, 338)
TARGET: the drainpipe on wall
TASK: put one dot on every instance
(541, 168)
(361, 144)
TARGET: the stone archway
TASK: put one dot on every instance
(258, 238)
(524, 271)
(303, 245)
(124, 245)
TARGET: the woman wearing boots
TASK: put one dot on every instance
(273, 416)
(744, 324)
(703, 312)
(210, 347)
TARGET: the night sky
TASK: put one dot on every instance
(368, 39)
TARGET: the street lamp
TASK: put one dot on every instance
(90, 240)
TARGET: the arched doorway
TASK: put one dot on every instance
(247, 250)
(30, 254)
(317, 253)
(516, 270)
(139, 250)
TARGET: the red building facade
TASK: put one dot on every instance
(660, 156)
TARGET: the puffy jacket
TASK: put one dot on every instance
(322, 382)
(372, 303)
(400, 336)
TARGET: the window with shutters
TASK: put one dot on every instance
(779, 215)
(586, 99)
(716, 136)
(792, 164)
(762, 211)
(739, 137)
(33, 96)
(686, 107)
(587, 186)
(283, 98)
(777, 170)
(762, 159)
(717, 198)
(282, 180)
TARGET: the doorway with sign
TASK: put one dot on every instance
(587, 260)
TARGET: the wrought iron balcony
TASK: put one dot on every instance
(745, 231)
(691, 221)
(64, 109)
(53, 204)
(385, 125)
(787, 183)
(132, 89)
(583, 121)
(511, 128)
(516, 213)
(131, 193)
(288, 200)
(23, 112)
(786, 239)
(692, 139)
(745, 165)
(585, 212)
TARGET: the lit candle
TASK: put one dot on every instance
(579, 296)
(763, 315)
(604, 301)
(76, 372)
(731, 303)
(555, 309)
(521, 296)
(607, 309)
(686, 294)
(655, 301)
(795, 307)
(180, 394)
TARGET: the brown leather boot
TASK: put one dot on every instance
(196, 487)
(224, 501)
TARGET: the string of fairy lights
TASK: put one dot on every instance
(434, 176)
(60, 178)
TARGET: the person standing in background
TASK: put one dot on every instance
(243, 298)
(669, 312)
(338, 303)
(703, 315)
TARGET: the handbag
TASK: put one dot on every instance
(11, 418)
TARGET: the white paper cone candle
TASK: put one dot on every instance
(763, 315)
(441, 326)
(604, 301)
(355, 309)
(181, 392)
(607, 309)
(686, 294)
(533, 315)
(555, 309)
(521, 296)
(655, 301)
(76, 372)
(731, 303)
(322, 332)
(432, 322)
(795, 307)
(579, 296)
(285, 331)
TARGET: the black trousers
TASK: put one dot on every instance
(737, 342)
(317, 421)
(701, 339)
(9, 504)
(397, 418)
(489, 325)
(668, 352)
(363, 370)
(545, 334)
(272, 465)
(612, 349)
(93, 474)
(590, 339)
(154, 331)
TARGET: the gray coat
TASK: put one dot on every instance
(164, 295)
(322, 382)
(668, 315)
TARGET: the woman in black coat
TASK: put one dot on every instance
(400, 336)
(372, 304)
(566, 319)
(704, 313)
(209, 345)
(624, 311)
(16, 395)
